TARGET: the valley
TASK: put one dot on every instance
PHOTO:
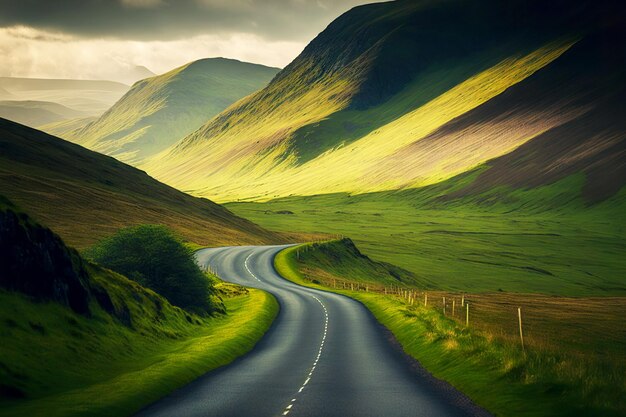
(409, 208)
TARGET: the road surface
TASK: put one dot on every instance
(325, 355)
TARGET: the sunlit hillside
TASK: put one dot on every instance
(161, 110)
(406, 100)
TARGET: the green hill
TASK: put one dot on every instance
(85, 196)
(373, 103)
(37, 113)
(82, 340)
(161, 110)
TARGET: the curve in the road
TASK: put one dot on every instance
(325, 355)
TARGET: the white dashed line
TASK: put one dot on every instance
(317, 358)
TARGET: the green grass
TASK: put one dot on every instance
(561, 379)
(543, 240)
(70, 365)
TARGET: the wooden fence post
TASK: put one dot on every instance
(453, 307)
(521, 334)
(444, 306)
(466, 314)
(425, 299)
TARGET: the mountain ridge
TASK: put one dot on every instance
(332, 121)
(159, 110)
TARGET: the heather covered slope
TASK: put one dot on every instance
(84, 195)
(363, 107)
(161, 110)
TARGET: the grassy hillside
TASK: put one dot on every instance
(161, 110)
(60, 129)
(82, 340)
(91, 96)
(36, 113)
(573, 362)
(547, 239)
(405, 94)
(342, 259)
(84, 195)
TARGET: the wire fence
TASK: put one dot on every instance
(590, 324)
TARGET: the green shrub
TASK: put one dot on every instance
(156, 259)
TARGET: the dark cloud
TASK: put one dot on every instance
(175, 19)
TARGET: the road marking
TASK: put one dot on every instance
(317, 358)
(245, 263)
(320, 350)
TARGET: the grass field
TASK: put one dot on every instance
(573, 362)
(544, 240)
(63, 364)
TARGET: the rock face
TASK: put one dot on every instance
(36, 262)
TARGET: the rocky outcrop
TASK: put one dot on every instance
(36, 262)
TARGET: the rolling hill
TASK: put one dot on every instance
(90, 96)
(79, 339)
(161, 110)
(405, 94)
(37, 113)
(85, 196)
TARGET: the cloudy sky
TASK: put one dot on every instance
(104, 39)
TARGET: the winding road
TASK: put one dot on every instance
(325, 355)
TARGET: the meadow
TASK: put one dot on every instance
(572, 362)
(546, 240)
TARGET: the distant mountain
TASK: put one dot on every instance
(161, 110)
(134, 74)
(4, 94)
(84, 196)
(89, 96)
(405, 94)
(36, 113)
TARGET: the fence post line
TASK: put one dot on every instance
(521, 334)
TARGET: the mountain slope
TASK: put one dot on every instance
(134, 73)
(84, 195)
(159, 111)
(352, 113)
(90, 96)
(36, 113)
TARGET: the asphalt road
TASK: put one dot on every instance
(325, 355)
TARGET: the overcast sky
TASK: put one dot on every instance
(101, 39)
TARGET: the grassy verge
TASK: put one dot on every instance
(566, 377)
(63, 364)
